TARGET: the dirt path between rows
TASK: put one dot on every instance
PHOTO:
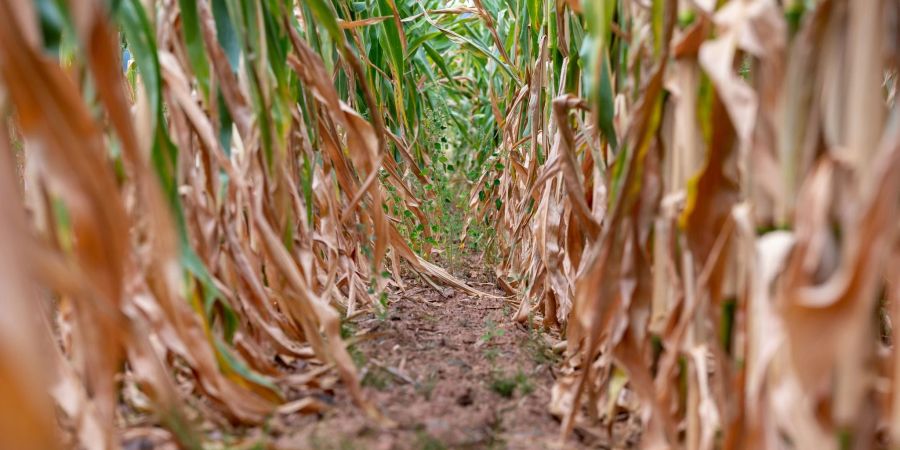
(450, 369)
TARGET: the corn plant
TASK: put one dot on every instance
(699, 196)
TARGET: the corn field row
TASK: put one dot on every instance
(701, 197)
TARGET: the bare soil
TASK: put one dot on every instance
(450, 369)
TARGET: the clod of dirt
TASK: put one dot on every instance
(465, 399)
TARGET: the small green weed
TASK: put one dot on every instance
(491, 354)
(491, 332)
(537, 347)
(358, 357)
(383, 307)
(348, 329)
(377, 378)
(525, 386)
(425, 441)
(506, 385)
